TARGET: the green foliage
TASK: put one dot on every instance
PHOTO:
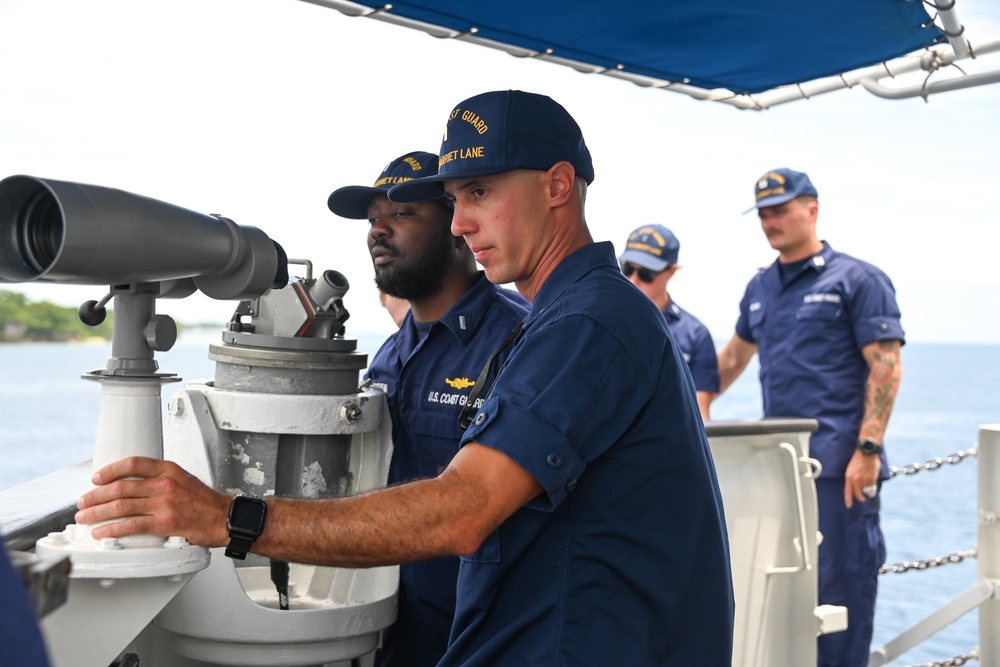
(21, 320)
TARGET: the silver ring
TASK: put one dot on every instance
(870, 491)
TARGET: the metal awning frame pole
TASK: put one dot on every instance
(869, 78)
(932, 60)
(952, 28)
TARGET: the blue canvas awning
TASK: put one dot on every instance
(740, 45)
(749, 54)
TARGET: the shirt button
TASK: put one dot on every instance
(480, 418)
(884, 326)
(554, 460)
(571, 485)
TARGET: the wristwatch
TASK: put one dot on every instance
(246, 523)
(869, 447)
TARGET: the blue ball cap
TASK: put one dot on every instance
(501, 131)
(782, 185)
(352, 201)
(653, 247)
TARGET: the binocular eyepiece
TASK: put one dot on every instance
(63, 232)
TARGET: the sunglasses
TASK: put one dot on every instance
(645, 275)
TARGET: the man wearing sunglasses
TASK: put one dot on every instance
(649, 262)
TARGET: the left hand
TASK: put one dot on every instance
(862, 470)
(165, 500)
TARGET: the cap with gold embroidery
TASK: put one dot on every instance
(352, 201)
(651, 246)
(782, 185)
(501, 131)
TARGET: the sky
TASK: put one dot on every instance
(258, 109)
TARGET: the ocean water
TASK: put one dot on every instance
(49, 417)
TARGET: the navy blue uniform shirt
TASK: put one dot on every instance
(426, 380)
(624, 558)
(696, 345)
(21, 640)
(809, 334)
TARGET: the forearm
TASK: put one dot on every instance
(727, 375)
(385, 527)
(884, 376)
(704, 404)
(733, 359)
(450, 514)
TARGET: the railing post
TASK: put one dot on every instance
(989, 542)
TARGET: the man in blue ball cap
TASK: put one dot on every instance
(455, 319)
(573, 571)
(583, 501)
(827, 329)
(649, 262)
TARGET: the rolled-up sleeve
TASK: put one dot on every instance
(874, 312)
(567, 394)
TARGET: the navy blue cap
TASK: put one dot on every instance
(501, 131)
(651, 246)
(782, 185)
(352, 201)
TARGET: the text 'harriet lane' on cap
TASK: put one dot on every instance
(653, 247)
(352, 201)
(782, 185)
(501, 131)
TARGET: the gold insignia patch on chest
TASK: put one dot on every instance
(459, 383)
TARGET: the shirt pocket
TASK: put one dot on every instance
(819, 312)
(436, 435)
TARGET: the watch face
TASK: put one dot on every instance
(869, 447)
(246, 515)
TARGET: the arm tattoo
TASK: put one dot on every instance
(883, 384)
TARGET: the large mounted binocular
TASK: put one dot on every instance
(62, 232)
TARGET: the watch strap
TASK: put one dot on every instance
(239, 547)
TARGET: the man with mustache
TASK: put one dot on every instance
(826, 328)
(456, 319)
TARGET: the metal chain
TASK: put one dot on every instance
(950, 559)
(952, 662)
(957, 557)
(935, 463)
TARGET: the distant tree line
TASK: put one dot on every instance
(24, 320)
